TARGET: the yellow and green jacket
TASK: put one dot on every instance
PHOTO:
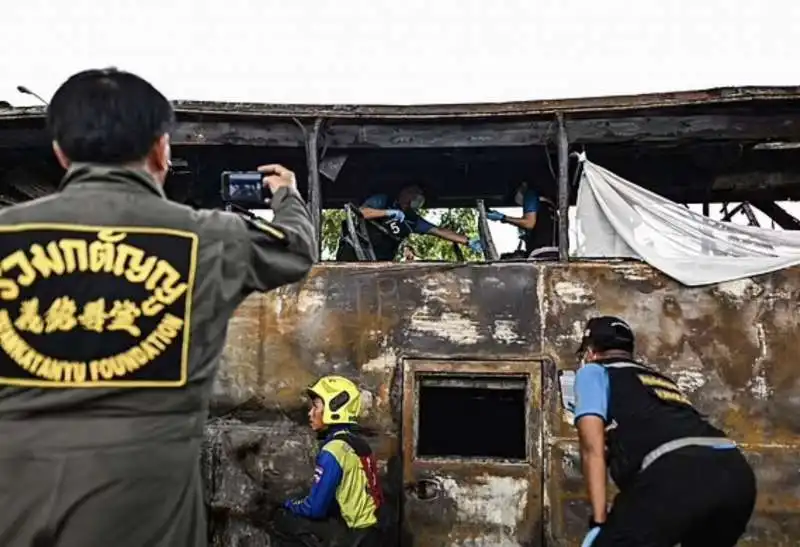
(345, 474)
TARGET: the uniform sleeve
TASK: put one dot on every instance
(271, 264)
(377, 201)
(591, 392)
(327, 476)
(530, 201)
(422, 226)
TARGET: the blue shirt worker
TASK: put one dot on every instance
(680, 479)
(391, 220)
(345, 482)
(537, 226)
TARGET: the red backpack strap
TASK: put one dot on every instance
(368, 464)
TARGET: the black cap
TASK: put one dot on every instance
(607, 333)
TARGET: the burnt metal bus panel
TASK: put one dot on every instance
(732, 347)
(450, 500)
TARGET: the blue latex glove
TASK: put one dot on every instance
(476, 246)
(495, 215)
(396, 214)
(590, 537)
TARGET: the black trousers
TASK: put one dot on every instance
(294, 531)
(695, 496)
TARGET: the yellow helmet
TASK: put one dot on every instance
(341, 399)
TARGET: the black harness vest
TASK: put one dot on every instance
(645, 410)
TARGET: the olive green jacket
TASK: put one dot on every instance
(114, 306)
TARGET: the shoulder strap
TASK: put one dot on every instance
(368, 465)
(359, 445)
(617, 363)
(639, 366)
(624, 364)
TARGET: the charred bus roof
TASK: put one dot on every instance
(725, 144)
(608, 104)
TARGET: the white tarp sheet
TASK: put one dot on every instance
(616, 218)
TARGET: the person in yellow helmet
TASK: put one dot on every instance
(345, 479)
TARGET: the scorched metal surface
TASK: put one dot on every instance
(731, 347)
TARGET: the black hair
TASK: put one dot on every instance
(511, 192)
(108, 116)
(412, 184)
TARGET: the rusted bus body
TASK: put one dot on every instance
(732, 347)
(403, 330)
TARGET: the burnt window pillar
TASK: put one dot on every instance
(311, 139)
(563, 189)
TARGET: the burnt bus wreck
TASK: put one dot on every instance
(459, 361)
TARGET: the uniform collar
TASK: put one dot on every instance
(334, 430)
(80, 173)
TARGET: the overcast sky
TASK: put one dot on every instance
(402, 51)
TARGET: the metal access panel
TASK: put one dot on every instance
(472, 453)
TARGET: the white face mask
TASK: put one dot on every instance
(417, 202)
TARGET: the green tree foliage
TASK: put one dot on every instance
(331, 232)
(424, 247)
(462, 221)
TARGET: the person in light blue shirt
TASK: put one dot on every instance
(636, 424)
(537, 225)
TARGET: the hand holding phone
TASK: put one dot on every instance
(246, 188)
(277, 176)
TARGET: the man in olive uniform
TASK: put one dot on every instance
(115, 306)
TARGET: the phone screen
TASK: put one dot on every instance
(244, 188)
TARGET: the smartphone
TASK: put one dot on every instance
(566, 380)
(243, 188)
